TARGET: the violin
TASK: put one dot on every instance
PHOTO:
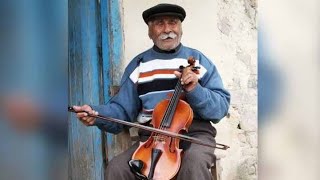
(159, 157)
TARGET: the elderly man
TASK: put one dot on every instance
(149, 78)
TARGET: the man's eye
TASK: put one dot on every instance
(158, 23)
(173, 21)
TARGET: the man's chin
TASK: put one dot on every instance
(167, 47)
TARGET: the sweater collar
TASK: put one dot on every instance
(166, 52)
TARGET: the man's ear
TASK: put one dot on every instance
(149, 33)
(149, 30)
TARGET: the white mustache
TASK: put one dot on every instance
(169, 35)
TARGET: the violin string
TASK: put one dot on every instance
(171, 106)
(176, 100)
(169, 113)
(165, 117)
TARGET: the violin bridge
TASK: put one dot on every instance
(158, 139)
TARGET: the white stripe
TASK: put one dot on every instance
(143, 118)
(202, 71)
(155, 92)
(134, 76)
(162, 64)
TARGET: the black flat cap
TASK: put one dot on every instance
(164, 10)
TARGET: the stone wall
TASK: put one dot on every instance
(238, 27)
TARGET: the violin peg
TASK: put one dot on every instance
(191, 61)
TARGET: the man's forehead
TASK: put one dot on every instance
(166, 17)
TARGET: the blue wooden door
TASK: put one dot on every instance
(85, 143)
(95, 45)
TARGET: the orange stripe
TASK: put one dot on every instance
(158, 71)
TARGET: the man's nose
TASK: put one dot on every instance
(167, 28)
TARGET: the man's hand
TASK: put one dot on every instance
(189, 79)
(84, 116)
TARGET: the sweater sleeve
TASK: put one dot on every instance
(209, 100)
(125, 106)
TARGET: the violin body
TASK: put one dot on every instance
(168, 163)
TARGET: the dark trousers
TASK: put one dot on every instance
(196, 159)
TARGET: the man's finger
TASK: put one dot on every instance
(82, 114)
(87, 108)
(177, 74)
(87, 119)
(188, 80)
(76, 108)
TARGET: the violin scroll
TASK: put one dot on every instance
(191, 62)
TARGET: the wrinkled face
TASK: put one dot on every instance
(165, 32)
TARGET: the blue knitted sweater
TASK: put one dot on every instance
(149, 78)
